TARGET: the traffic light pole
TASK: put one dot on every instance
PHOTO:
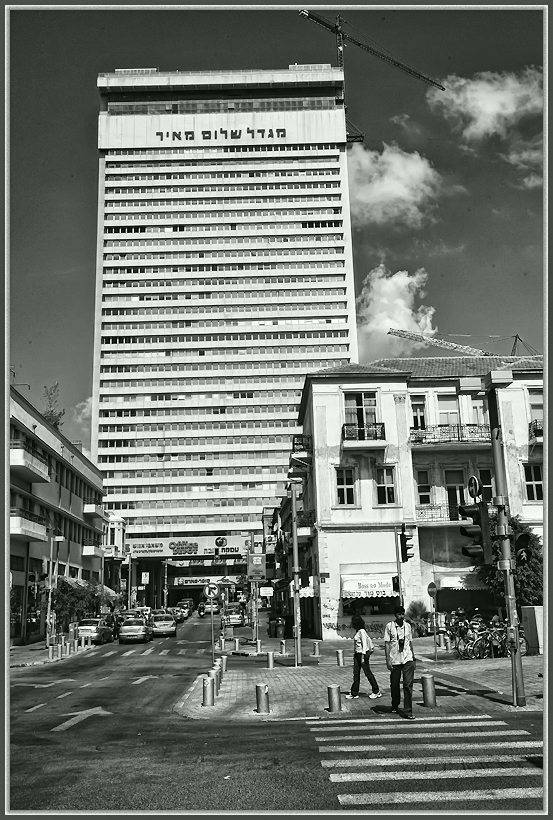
(398, 563)
(500, 501)
(296, 573)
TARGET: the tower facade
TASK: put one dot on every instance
(224, 275)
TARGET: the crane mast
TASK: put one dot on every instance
(430, 340)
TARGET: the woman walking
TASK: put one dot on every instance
(362, 649)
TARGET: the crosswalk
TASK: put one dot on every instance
(484, 765)
(98, 652)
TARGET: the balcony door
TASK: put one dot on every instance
(448, 411)
(455, 488)
(360, 412)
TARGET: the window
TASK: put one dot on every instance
(455, 488)
(478, 411)
(418, 410)
(448, 411)
(536, 405)
(534, 482)
(360, 411)
(423, 486)
(385, 490)
(17, 563)
(486, 479)
(345, 484)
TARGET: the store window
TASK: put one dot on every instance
(534, 482)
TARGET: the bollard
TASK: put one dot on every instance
(270, 660)
(258, 647)
(67, 648)
(62, 640)
(60, 650)
(82, 641)
(316, 652)
(236, 644)
(283, 647)
(340, 657)
(75, 644)
(215, 678)
(51, 652)
(428, 691)
(88, 641)
(209, 692)
(224, 662)
(334, 697)
(219, 667)
(441, 643)
(262, 697)
(447, 643)
(222, 641)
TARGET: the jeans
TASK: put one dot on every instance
(358, 664)
(408, 670)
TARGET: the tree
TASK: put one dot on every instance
(50, 398)
(72, 602)
(528, 578)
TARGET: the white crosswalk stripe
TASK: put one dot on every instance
(128, 652)
(107, 654)
(164, 651)
(478, 756)
(182, 652)
(147, 651)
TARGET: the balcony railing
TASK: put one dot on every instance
(88, 542)
(535, 428)
(438, 512)
(20, 512)
(17, 444)
(302, 444)
(368, 432)
(439, 433)
(92, 500)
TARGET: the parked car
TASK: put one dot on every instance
(135, 629)
(233, 616)
(99, 631)
(188, 604)
(164, 625)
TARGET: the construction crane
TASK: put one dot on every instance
(430, 340)
(341, 37)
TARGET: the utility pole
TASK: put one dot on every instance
(255, 613)
(165, 588)
(296, 573)
(492, 381)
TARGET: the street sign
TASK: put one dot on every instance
(475, 487)
(211, 590)
(266, 592)
(145, 577)
(432, 589)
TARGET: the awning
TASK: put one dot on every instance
(367, 586)
(73, 582)
(305, 592)
(104, 590)
(465, 580)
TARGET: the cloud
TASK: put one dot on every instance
(437, 248)
(392, 188)
(411, 128)
(388, 300)
(527, 157)
(490, 103)
(82, 415)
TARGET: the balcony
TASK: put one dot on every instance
(535, 431)
(95, 510)
(366, 437)
(91, 549)
(27, 526)
(27, 463)
(455, 436)
(433, 513)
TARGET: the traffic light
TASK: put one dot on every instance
(522, 550)
(481, 548)
(395, 583)
(405, 546)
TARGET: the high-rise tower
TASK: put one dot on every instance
(224, 275)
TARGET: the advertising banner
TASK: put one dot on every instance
(256, 567)
(188, 547)
(189, 581)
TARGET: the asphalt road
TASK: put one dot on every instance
(97, 733)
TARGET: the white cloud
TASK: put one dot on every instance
(490, 103)
(82, 415)
(527, 157)
(393, 187)
(388, 300)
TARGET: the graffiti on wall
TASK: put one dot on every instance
(235, 134)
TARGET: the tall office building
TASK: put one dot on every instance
(224, 275)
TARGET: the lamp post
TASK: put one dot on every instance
(296, 573)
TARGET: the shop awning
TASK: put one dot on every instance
(456, 580)
(367, 586)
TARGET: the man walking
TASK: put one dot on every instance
(400, 660)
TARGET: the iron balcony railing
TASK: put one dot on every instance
(17, 444)
(92, 500)
(88, 542)
(20, 512)
(367, 432)
(438, 512)
(302, 444)
(535, 428)
(438, 433)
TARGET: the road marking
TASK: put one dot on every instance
(107, 654)
(45, 685)
(164, 651)
(147, 651)
(129, 652)
(64, 695)
(358, 777)
(438, 747)
(78, 716)
(32, 709)
(182, 651)
(402, 726)
(85, 684)
(141, 680)
(394, 720)
(427, 735)
(437, 797)
(408, 761)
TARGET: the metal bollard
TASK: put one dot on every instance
(75, 644)
(222, 641)
(215, 677)
(270, 660)
(224, 662)
(219, 667)
(283, 647)
(209, 692)
(441, 642)
(428, 691)
(334, 697)
(340, 657)
(67, 648)
(51, 652)
(62, 640)
(448, 643)
(88, 641)
(316, 652)
(60, 650)
(82, 641)
(258, 647)
(236, 644)
(262, 697)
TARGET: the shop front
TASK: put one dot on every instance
(370, 596)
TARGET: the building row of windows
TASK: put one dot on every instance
(255, 218)
(223, 149)
(208, 106)
(187, 489)
(208, 472)
(70, 529)
(225, 337)
(172, 521)
(40, 565)
(277, 294)
(244, 281)
(245, 409)
(181, 442)
(231, 226)
(326, 251)
(206, 441)
(202, 175)
(233, 201)
(268, 239)
(239, 162)
(282, 393)
(158, 367)
(247, 321)
(191, 503)
(184, 353)
(205, 189)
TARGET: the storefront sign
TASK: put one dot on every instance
(186, 581)
(367, 586)
(187, 547)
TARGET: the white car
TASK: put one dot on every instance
(233, 616)
(213, 606)
(164, 625)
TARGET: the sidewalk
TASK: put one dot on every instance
(34, 654)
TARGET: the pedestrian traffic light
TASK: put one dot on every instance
(481, 548)
(522, 550)
(395, 583)
(405, 546)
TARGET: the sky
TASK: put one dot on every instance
(446, 189)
